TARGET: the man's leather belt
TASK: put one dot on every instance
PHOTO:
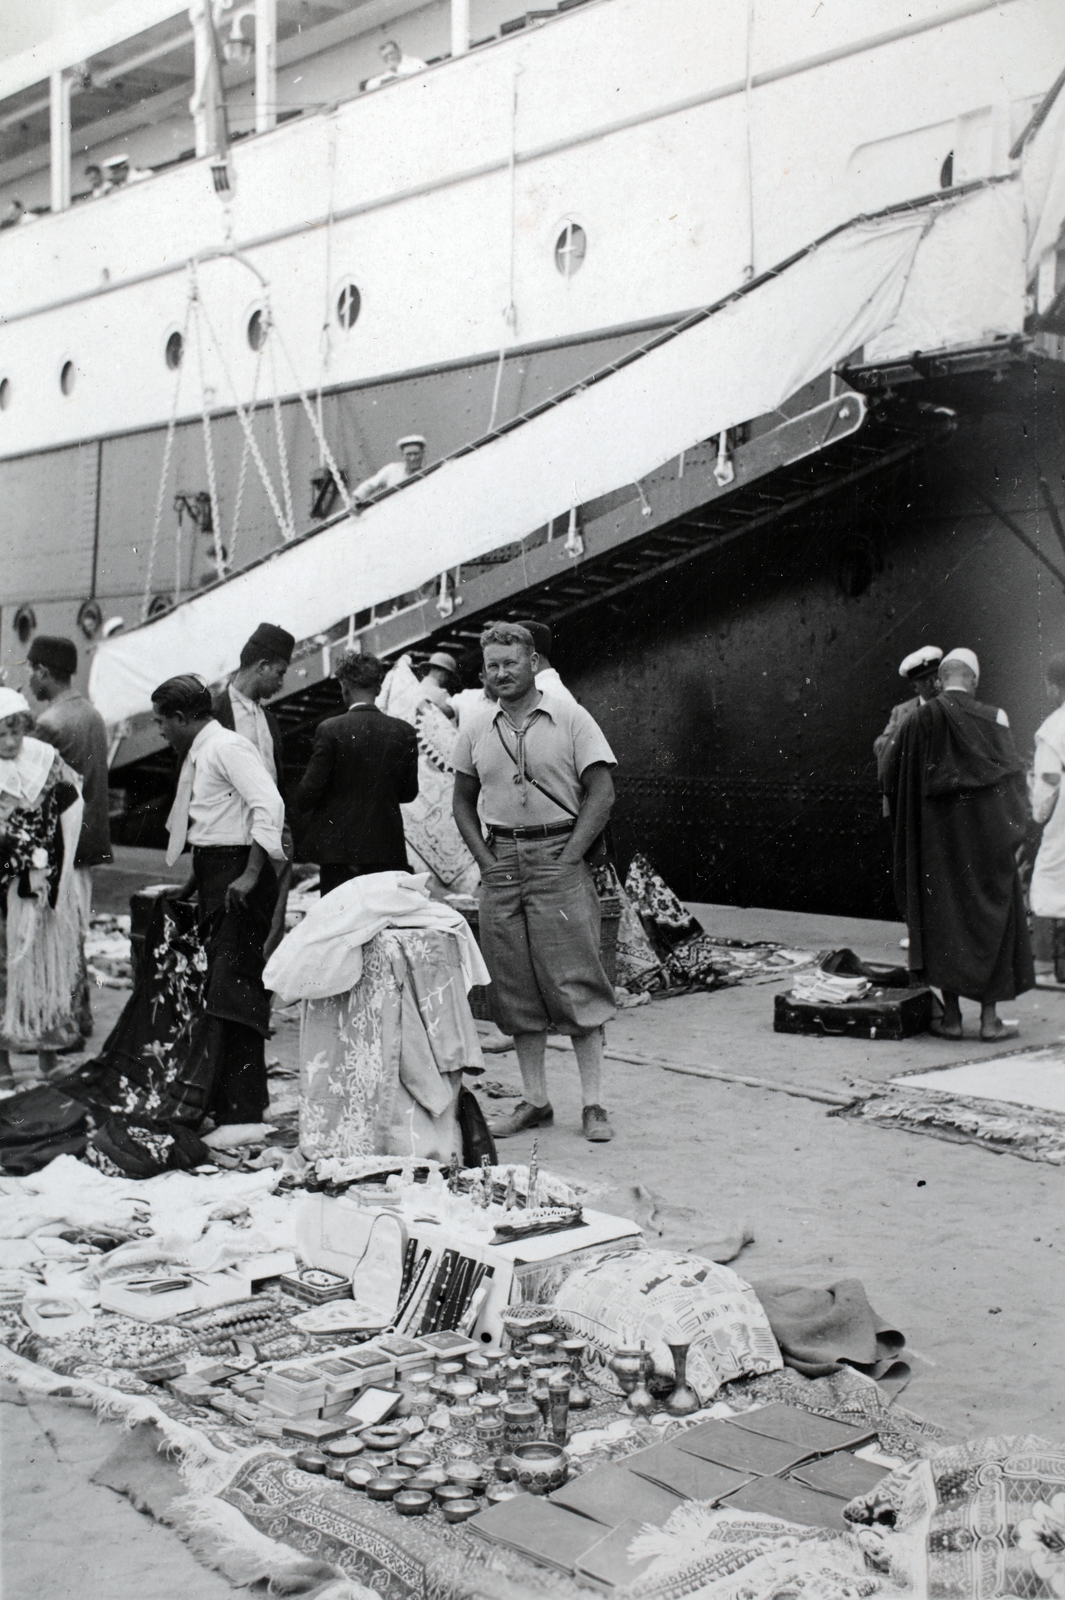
(541, 830)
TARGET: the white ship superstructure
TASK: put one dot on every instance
(189, 361)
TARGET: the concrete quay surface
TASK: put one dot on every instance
(956, 1246)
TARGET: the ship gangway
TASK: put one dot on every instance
(731, 419)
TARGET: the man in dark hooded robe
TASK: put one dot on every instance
(957, 797)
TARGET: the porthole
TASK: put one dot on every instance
(570, 249)
(258, 328)
(175, 349)
(25, 624)
(160, 603)
(349, 304)
(66, 377)
(90, 619)
(5, 393)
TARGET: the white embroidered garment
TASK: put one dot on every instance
(24, 777)
(323, 954)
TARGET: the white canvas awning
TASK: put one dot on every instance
(953, 265)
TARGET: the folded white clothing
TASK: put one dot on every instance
(322, 956)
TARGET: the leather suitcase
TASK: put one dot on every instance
(881, 1014)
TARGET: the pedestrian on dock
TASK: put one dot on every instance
(40, 820)
(956, 788)
(543, 767)
(229, 810)
(74, 727)
(363, 767)
(921, 670)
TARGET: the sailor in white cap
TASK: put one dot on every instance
(443, 670)
(412, 448)
(920, 668)
(957, 794)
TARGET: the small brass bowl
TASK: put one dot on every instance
(382, 1488)
(383, 1438)
(472, 1475)
(446, 1492)
(413, 1502)
(460, 1510)
(397, 1474)
(357, 1475)
(344, 1449)
(310, 1461)
(413, 1458)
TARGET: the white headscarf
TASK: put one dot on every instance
(25, 776)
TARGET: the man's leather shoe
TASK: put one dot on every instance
(595, 1125)
(523, 1116)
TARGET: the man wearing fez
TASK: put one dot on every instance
(363, 767)
(959, 806)
(543, 769)
(76, 729)
(264, 661)
(229, 810)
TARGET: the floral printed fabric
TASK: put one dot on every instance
(381, 1066)
(153, 1066)
(40, 961)
(662, 946)
(984, 1520)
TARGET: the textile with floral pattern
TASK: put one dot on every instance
(381, 1066)
(984, 1520)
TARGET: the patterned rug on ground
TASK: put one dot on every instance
(998, 1125)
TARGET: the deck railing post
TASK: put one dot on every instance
(59, 130)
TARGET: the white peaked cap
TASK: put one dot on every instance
(967, 658)
(929, 655)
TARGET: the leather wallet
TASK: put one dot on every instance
(842, 1475)
(686, 1475)
(751, 1453)
(818, 1434)
(612, 1495)
(607, 1564)
(544, 1533)
(777, 1497)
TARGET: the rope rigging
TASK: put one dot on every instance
(198, 324)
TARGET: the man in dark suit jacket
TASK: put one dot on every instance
(364, 766)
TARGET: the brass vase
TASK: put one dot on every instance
(641, 1400)
(684, 1400)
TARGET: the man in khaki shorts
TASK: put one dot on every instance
(544, 769)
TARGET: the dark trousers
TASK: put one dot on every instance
(236, 1002)
(237, 1057)
(331, 874)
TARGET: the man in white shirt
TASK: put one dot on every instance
(397, 65)
(412, 448)
(544, 769)
(231, 813)
(546, 675)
